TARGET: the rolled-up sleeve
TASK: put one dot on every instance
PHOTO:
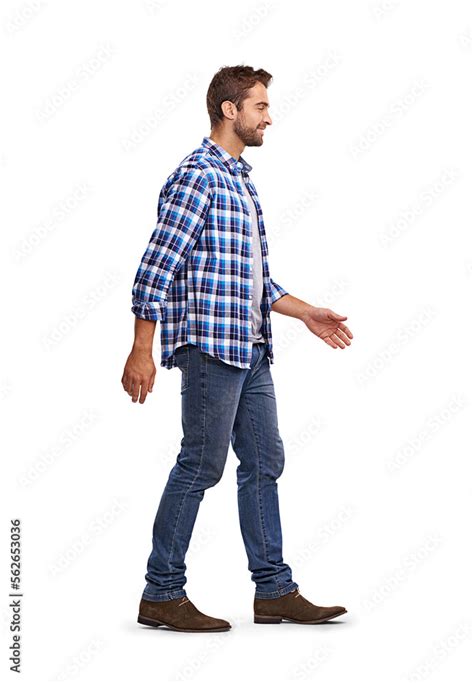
(276, 291)
(182, 215)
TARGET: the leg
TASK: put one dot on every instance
(259, 447)
(210, 391)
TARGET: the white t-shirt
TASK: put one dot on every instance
(256, 334)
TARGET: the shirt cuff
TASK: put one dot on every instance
(276, 291)
(150, 310)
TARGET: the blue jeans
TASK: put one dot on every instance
(223, 404)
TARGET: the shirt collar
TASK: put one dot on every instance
(234, 165)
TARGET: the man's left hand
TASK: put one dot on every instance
(328, 326)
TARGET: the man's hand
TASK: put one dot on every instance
(139, 374)
(327, 325)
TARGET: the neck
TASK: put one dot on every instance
(231, 143)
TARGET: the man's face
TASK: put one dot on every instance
(253, 118)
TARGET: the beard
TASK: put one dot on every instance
(250, 137)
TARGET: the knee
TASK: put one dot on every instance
(212, 477)
(198, 471)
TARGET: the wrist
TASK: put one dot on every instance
(307, 313)
(142, 347)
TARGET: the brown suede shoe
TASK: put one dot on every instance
(179, 614)
(293, 607)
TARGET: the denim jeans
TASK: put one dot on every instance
(223, 404)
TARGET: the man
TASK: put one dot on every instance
(205, 277)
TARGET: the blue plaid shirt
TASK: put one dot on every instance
(195, 276)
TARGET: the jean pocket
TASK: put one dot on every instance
(182, 361)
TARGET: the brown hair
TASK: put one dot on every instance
(232, 83)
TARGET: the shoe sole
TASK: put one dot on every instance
(155, 623)
(259, 619)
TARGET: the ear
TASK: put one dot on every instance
(228, 109)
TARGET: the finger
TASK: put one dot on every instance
(152, 382)
(329, 341)
(337, 340)
(343, 337)
(336, 316)
(347, 331)
(135, 391)
(143, 393)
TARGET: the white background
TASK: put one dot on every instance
(364, 179)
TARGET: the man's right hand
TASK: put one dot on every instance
(139, 374)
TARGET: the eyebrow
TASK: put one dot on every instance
(265, 103)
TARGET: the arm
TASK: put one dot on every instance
(144, 333)
(181, 219)
(285, 303)
(323, 322)
(290, 305)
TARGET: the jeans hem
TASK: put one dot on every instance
(161, 597)
(276, 594)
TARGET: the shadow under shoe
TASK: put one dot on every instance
(180, 615)
(293, 607)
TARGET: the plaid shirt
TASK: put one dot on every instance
(195, 276)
